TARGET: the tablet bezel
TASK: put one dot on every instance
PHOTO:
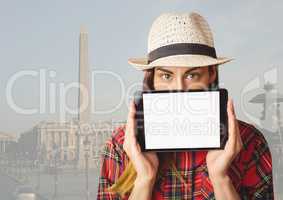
(139, 118)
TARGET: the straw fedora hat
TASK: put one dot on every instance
(179, 39)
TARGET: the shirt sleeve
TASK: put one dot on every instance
(258, 181)
(110, 170)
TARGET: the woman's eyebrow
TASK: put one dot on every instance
(192, 69)
(165, 70)
(168, 71)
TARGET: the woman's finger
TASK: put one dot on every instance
(132, 119)
(231, 143)
(239, 139)
(130, 144)
(128, 127)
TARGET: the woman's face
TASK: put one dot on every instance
(170, 78)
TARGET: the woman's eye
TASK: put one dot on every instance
(166, 76)
(193, 76)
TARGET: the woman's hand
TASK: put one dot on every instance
(218, 161)
(145, 163)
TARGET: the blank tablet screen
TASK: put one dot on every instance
(178, 120)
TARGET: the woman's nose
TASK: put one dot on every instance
(180, 85)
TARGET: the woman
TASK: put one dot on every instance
(181, 55)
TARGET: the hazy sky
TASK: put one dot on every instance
(43, 35)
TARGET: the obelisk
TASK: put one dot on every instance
(84, 102)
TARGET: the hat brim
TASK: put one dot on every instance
(178, 61)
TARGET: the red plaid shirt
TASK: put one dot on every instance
(250, 171)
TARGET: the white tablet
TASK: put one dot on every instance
(179, 120)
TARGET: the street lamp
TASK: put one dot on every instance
(20, 164)
(16, 164)
(37, 165)
(87, 150)
(55, 149)
(26, 157)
